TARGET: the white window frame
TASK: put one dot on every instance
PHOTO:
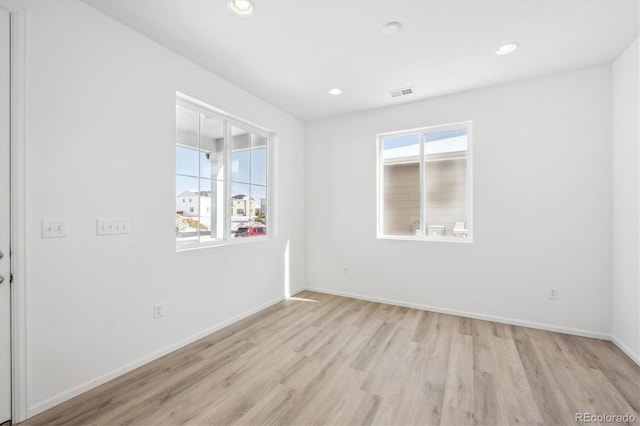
(422, 131)
(230, 121)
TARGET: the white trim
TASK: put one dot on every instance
(428, 158)
(626, 349)
(181, 247)
(379, 191)
(84, 387)
(635, 357)
(272, 186)
(428, 129)
(471, 142)
(228, 164)
(466, 314)
(19, 357)
(194, 104)
(427, 239)
(422, 173)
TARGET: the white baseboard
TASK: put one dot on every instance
(503, 320)
(474, 315)
(626, 349)
(296, 290)
(84, 387)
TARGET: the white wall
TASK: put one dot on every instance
(542, 206)
(626, 214)
(100, 135)
(100, 131)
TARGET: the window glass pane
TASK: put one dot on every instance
(217, 210)
(242, 207)
(258, 160)
(240, 155)
(187, 205)
(205, 213)
(208, 151)
(186, 161)
(212, 148)
(401, 190)
(446, 183)
(445, 142)
(259, 195)
(401, 149)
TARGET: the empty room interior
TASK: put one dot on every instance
(328, 212)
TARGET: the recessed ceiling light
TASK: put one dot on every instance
(505, 49)
(241, 7)
(391, 27)
(335, 91)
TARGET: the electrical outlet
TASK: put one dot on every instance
(554, 293)
(158, 310)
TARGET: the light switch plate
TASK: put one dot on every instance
(54, 228)
(112, 226)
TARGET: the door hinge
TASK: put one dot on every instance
(10, 278)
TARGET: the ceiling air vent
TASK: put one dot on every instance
(401, 92)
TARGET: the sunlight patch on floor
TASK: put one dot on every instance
(302, 299)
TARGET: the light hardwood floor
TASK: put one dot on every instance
(321, 359)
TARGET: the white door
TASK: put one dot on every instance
(5, 227)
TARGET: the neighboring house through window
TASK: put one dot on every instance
(425, 183)
(222, 164)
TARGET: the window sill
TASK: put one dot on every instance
(182, 247)
(466, 240)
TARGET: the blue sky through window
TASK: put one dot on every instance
(400, 141)
(408, 146)
(432, 137)
(407, 140)
(249, 167)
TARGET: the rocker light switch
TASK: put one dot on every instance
(112, 226)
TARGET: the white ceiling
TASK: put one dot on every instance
(291, 52)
